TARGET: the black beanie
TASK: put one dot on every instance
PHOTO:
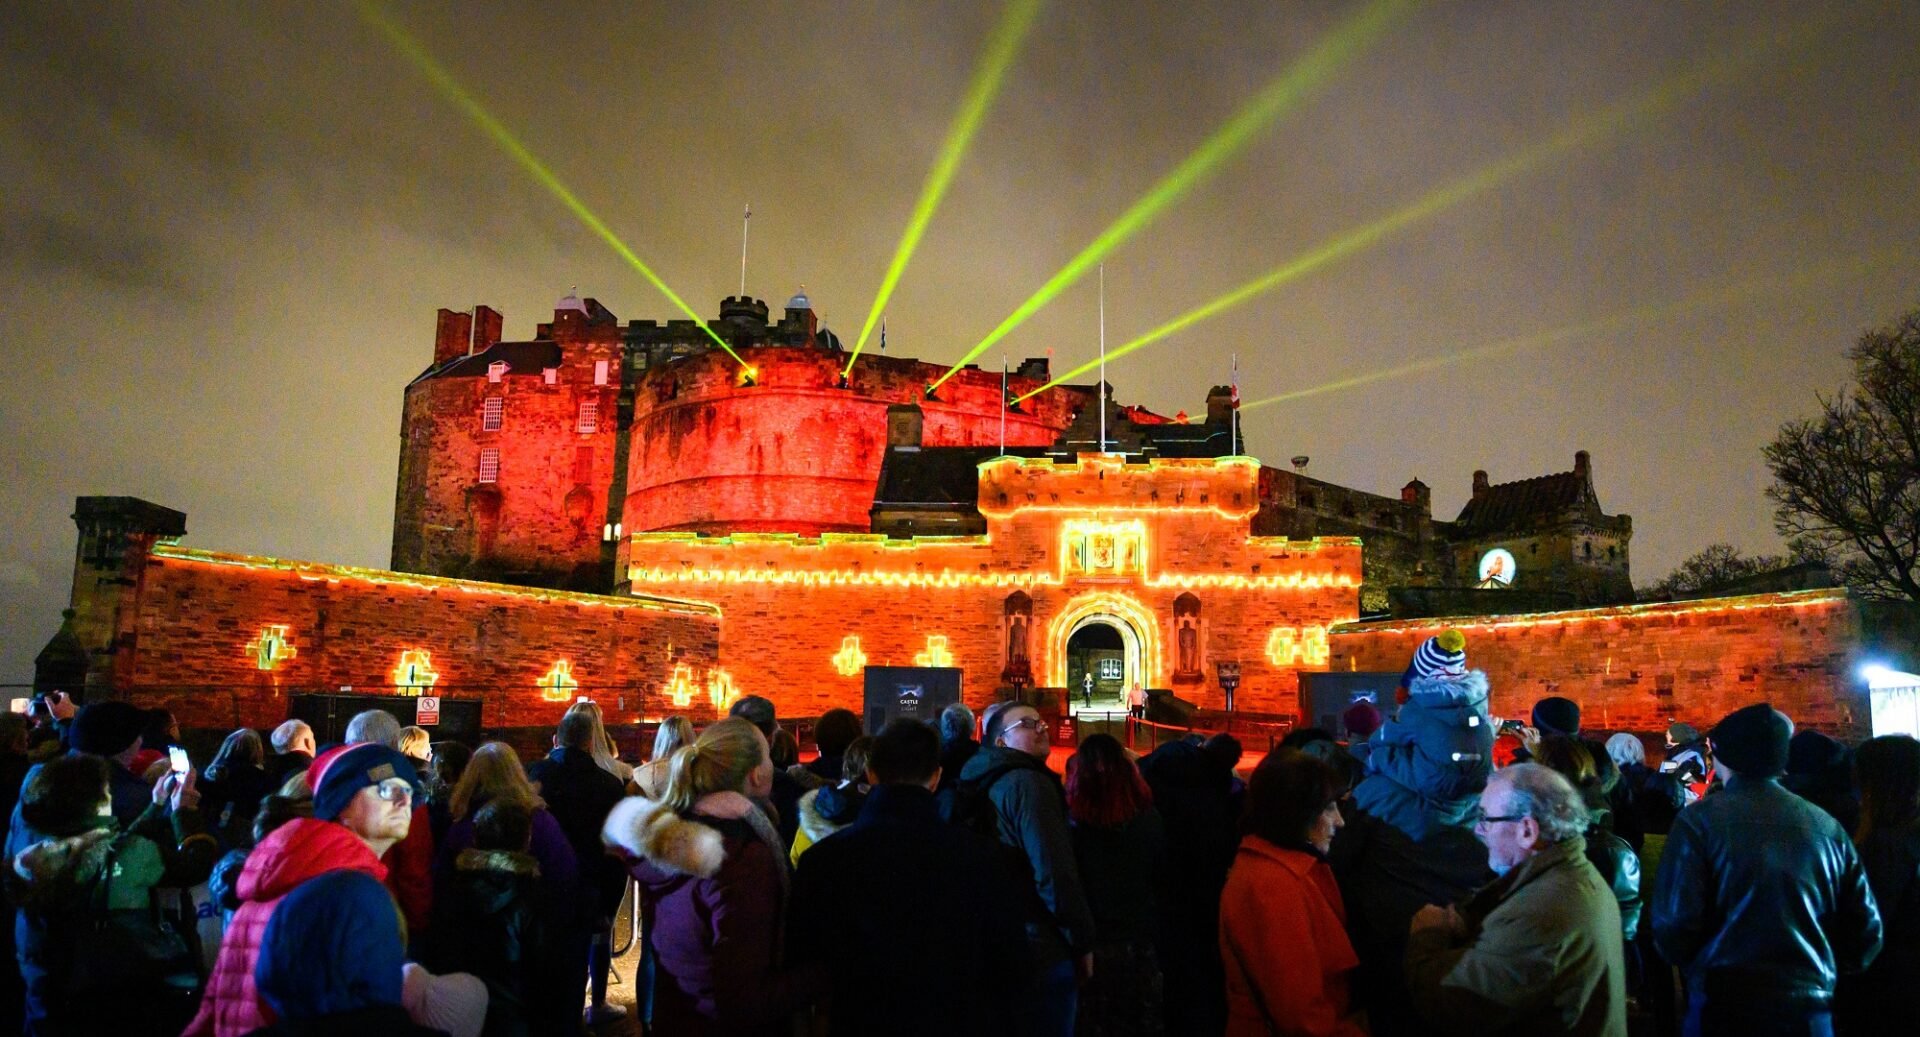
(1753, 741)
(1557, 715)
(106, 728)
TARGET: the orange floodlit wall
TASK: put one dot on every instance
(1640, 667)
(224, 640)
(1161, 551)
(780, 446)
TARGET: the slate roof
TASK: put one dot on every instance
(941, 475)
(521, 358)
(1527, 503)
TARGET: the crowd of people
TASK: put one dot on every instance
(1431, 868)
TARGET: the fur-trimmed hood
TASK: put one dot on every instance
(828, 809)
(1468, 690)
(56, 873)
(650, 831)
(503, 861)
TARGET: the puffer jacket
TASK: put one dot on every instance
(295, 852)
(824, 811)
(713, 891)
(1619, 868)
(1426, 767)
(1762, 899)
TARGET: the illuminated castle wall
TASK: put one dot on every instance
(1162, 551)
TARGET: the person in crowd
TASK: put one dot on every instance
(1609, 854)
(910, 916)
(830, 808)
(1410, 839)
(1820, 771)
(159, 733)
(785, 792)
(1283, 938)
(1880, 1000)
(1315, 741)
(1761, 900)
(87, 875)
(52, 715)
(784, 749)
(496, 920)
(450, 760)
(410, 866)
(1006, 789)
(1361, 720)
(1629, 756)
(15, 730)
(111, 731)
(1425, 766)
(1690, 760)
(1538, 950)
(1227, 749)
(495, 773)
(1193, 795)
(835, 731)
(292, 800)
(580, 791)
(235, 783)
(957, 743)
(1556, 715)
(650, 778)
(293, 750)
(713, 880)
(333, 961)
(362, 808)
(416, 744)
(1120, 848)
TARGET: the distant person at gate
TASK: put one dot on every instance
(1426, 766)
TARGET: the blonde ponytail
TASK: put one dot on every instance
(720, 760)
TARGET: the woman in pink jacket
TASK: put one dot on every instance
(1283, 927)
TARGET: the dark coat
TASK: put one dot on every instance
(230, 801)
(713, 894)
(1880, 1000)
(281, 766)
(1762, 899)
(1123, 869)
(913, 917)
(1193, 792)
(130, 795)
(494, 919)
(580, 795)
(953, 759)
(381, 1021)
(1031, 809)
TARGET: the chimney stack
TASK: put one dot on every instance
(1582, 465)
(1479, 483)
(486, 328)
(1219, 405)
(451, 335)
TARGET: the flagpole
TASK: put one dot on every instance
(1233, 418)
(1103, 358)
(1003, 405)
(745, 219)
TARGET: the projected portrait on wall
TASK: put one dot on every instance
(1496, 569)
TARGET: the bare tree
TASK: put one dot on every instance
(1711, 568)
(1847, 483)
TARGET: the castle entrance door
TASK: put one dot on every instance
(1103, 658)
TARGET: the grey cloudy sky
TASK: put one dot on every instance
(225, 228)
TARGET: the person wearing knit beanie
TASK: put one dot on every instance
(1442, 655)
(1555, 715)
(340, 773)
(1361, 720)
(1753, 742)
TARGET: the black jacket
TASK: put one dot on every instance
(915, 917)
(1761, 899)
(1619, 868)
(1880, 1000)
(1031, 808)
(580, 794)
(493, 919)
(1122, 868)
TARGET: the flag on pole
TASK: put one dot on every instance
(1234, 392)
(883, 334)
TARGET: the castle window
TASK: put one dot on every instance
(1307, 501)
(550, 375)
(589, 416)
(496, 370)
(599, 374)
(490, 413)
(489, 465)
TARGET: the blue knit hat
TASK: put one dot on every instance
(1442, 655)
(333, 945)
(339, 774)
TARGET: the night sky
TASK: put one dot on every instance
(225, 229)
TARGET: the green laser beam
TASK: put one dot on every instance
(1002, 48)
(1280, 95)
(450, 88)
(1667, 94)
(1646, 314)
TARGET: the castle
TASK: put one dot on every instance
(668, 516)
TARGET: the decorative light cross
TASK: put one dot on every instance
(271, 648)
(849, 660)
(679, 687)
(721, 691)
(415, 672)
(557, 684)
(1288, 645)
(936, 653)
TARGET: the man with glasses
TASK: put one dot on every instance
(1030, 818)
(1538, 950)
(363, 798)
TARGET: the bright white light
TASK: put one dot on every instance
(1878, 676)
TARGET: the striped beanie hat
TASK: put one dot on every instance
(1443, 655)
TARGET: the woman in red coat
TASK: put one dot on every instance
(1283, 928)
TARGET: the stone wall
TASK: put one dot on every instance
(1640, 667)
(192, 627)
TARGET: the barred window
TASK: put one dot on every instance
(490, 413)
(489, 465)
(589, 416)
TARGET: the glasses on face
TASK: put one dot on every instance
(1035, 723)
(397, 793)
(1481, 817)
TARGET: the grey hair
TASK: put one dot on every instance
(1626, 749)
(994, 723)
(288, 733)
(375, 725)
(1540, 793)
(956, 723)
